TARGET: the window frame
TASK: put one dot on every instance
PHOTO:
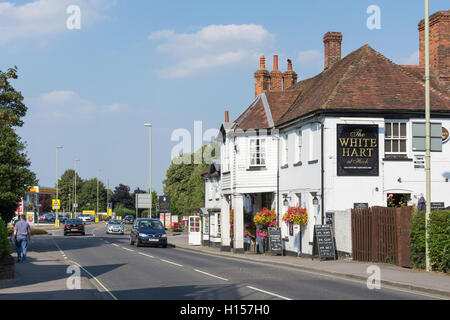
(398, 138)
(258, 154)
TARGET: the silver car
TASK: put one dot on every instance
(115, 226)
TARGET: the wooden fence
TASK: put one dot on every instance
(381, 234)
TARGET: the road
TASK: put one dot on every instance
(126, 272)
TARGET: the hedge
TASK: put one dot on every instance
(5, 245)
(439, 246)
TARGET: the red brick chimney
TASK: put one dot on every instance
(289, 77)
(439, 46)
(262, 77)
(276, 77)
(227, 116)
(332, 41)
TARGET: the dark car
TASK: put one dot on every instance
(128, 220)
(148, 232)
(74, 226)
(62, 219)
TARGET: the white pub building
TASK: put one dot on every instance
(352, 136)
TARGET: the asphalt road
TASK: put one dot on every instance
(127, 272)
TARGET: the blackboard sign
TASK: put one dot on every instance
(164, 204)
(357, 150)
(276, 246)
(437, 206)
(360, 206)
(323, 235)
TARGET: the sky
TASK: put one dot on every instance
(91, 81)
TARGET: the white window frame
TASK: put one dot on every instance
(257, 152)
(299, 145)
(285, 150)
(398, 138)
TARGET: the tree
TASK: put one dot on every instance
(184, 184)
(66, 188)
(122, 195)
(15, 176)
(87, 197)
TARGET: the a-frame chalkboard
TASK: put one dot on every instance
(324, 242)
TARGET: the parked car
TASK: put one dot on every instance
(128, 220)
(49, 218)
(147, 231)
(74, 226)
(115, 226)
(86, 217)
(62, 219)
(41, 219)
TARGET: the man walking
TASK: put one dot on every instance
(22, 234)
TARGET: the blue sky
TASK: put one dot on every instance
(169, 63)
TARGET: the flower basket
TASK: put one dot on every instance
(296, 215)
(263, 220)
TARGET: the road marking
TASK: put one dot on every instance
(127, 249)
(116, 245)
(93, 277)
(269, 293)
(147, 255)
(172, 263)
(211, 275)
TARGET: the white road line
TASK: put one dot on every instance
(116, 245)
(93, 277)
(269, 293)
(147, 255)
(127, 249)
(172, 263)
(211, 275)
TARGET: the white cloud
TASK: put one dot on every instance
(413, 59)
(45, 17)
(210, 48)
(57, 106)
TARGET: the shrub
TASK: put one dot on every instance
(5, 245)
(439, 246)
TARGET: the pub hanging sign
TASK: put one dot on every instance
(357, 150)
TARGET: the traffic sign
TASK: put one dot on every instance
(56, 204)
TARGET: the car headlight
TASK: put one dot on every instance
(163, 236)
(142, 235)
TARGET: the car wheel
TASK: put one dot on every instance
(164, 245)
(137, 243)
(83, 234)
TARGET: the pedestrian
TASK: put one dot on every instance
(22, 235)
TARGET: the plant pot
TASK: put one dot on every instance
(7, 268)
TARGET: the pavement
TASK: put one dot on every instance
(391, 275)
(44, 276)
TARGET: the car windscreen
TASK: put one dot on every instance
(74, 221)
(115, 222)
(149, 224)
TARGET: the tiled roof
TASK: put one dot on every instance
(364, 81)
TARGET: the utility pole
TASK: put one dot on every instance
(96, 213)
(427, 133)
(57, 191)
(150, 179)
(75, 189)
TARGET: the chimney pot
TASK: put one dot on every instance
(333, 42)
(227, 116)
(262, 63)
(275, 62)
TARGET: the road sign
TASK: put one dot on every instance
(143, 200)
(164, 204)
(56, 204)
(75, 205)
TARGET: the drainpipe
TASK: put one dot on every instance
(322, 171)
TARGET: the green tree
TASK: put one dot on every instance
(15, 176)
(66, 188)
(87, 197)
(184, 184)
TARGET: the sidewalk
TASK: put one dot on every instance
(44, 276)
(391, 275)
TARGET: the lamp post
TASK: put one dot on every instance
(150, 177)
(427, 133)
(96, 212)
(75, 204)
(57, 191)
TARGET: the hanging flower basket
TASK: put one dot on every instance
(296, 215)
(265, 219)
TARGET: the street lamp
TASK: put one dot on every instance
(57, 177)
(98, 174)
(150, 178)
(75, 204)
